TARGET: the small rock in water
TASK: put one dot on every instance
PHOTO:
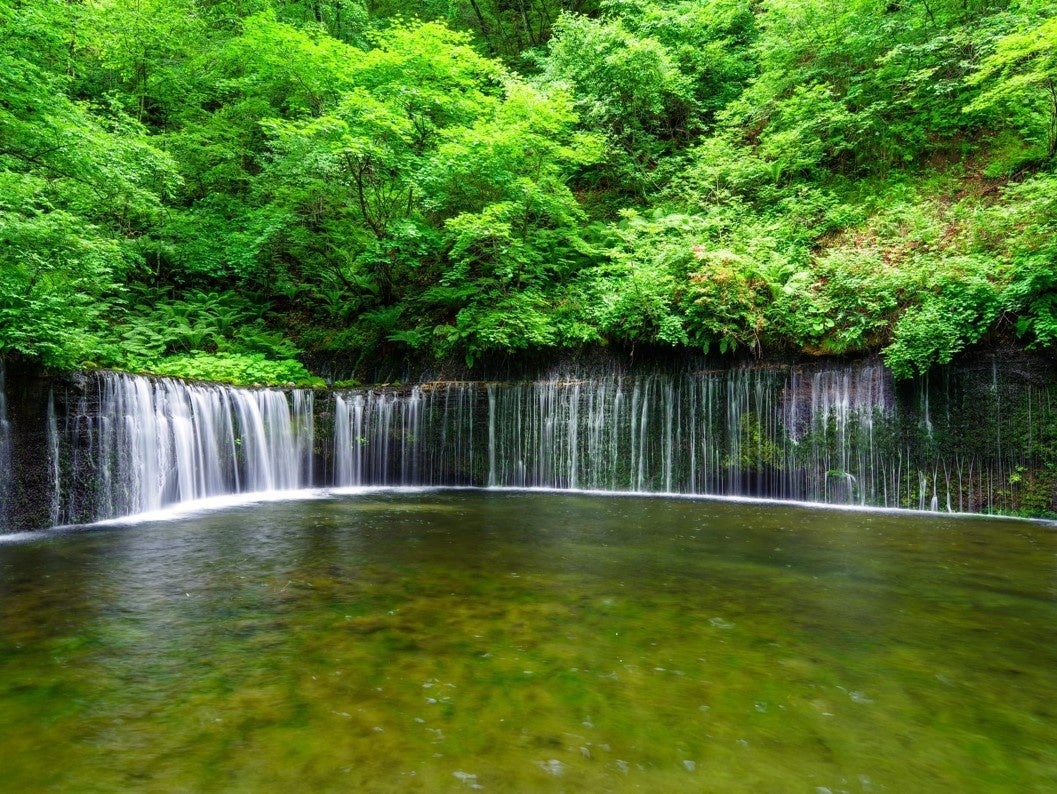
(552, 767)
(468, 778)
(623, 766)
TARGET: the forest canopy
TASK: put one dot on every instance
(227, 189)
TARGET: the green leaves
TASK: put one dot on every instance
(240, 369)
(79, 185)
(1021, 76)
(634, 295)
(57, 277)
(433, 164)
(622, 84)
(818, 177)
(946, 321)
(348, 175)
(501, 184)
(1027, 224)
(516, 322)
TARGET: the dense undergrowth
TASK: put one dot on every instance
(212, 189)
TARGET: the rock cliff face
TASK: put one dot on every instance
(981, 437)
(5, 450)
(28, 475)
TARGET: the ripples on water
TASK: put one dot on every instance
(432, 641)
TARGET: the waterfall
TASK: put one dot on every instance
(833, 425)
(824, 433)
(748, 431)
(425, 436)
(6, 472)
(115, 444)
(151, 443)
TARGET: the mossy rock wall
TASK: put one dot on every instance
(979, 436)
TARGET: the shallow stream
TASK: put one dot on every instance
(527, 641)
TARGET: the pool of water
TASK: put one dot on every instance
(474, 640)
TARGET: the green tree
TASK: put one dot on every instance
(1021, 76)
(626, 86)
(342, 183)
(80, 187)
(513, 228)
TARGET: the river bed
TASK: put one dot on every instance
(453, 640)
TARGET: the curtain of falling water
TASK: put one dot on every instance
(6, 473)
(826, 434)
(151, 443)
(835, 434)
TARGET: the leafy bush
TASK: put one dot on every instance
(58, 280)
(957, 314)
(515, 322)
(844, 302)
(635, 295)
(726, 302)
(1027, 225)
(240, 369)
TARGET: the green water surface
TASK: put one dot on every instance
(468, 640)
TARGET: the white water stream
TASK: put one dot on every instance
(758, 432)
(150, 443)
(5, 450)
(826, 434)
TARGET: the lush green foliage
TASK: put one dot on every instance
(210, 189)
(237, 368)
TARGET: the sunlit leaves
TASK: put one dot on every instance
(79, 186)
(1021, 75)
(624, 85)
(57, 277)
(130, 50)
(952, 314)
(1026, 224)
(636, 293)
(821, 177)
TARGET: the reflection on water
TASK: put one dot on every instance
(469, 640)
